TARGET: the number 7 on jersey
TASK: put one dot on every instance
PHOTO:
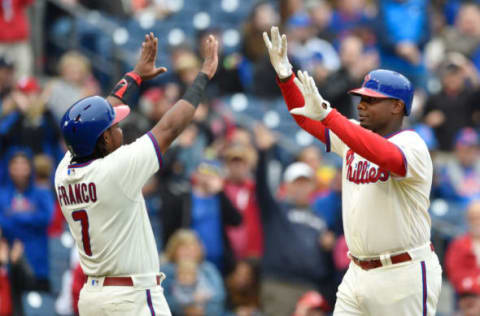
(82, 216)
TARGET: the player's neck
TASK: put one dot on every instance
(95, 155)
(389, 129)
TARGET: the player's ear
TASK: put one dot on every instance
(107, 137)
(398, 107)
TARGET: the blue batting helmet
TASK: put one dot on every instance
(86, 120)
(382, 83)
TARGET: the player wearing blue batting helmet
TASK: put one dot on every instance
(86, 120)
(382, 83)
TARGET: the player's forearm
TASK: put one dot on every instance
(367, 144)
(181, 114)
(173, 123)
(294, 98)
(114, 101)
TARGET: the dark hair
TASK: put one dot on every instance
(100, 151)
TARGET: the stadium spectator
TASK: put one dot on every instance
(43, 166)
(190, 287)
(301, 263)
(324, 173)
(208, 211)
(6, 82)
(30, 124)
(185, 63)
(312, 54)
(153, 103)
(20, 276)
(349, 17)
(315, 55)
(247, 238)
(256, 71)
(75, 81)
(312, 304)
(403, 29)
(228, 78)
(5, 289)
(261, 18)
(320, 13)
(328, 204)
(469, 298)
(462, 37)
(185, 245)
(356, 62)
(15, 35)
(449, 110)
(181, 160)
(462, 257)
(153, 203)
(25, 213)
(243, 288)
(459, 179)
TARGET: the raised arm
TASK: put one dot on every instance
(145, 69)
(180, 115)
(277, 50)
(367, 144)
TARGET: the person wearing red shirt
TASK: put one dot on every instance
(462, 260)
(247, 239)
(15, 34)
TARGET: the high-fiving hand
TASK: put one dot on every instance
(145, 66)
(277, 49)
(210, 63)
(315, 106)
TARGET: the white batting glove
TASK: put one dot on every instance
(315, 106)
(277, 49)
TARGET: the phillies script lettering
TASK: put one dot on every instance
(362, 172)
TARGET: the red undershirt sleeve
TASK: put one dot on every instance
(367, 144)
(294, 99)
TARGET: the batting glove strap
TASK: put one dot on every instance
(127, 86)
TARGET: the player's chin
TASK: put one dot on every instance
(364, 124)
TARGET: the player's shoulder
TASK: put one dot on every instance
(407, 137)
(63, 165)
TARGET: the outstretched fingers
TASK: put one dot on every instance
(283, 49)
(299, 82)
(212, 47)
(268, 44)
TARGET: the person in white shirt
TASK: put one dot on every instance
(99, 183)
(386, 183)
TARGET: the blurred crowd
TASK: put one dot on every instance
(245, 224)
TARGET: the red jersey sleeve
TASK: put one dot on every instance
(294, 99)
(367, 144)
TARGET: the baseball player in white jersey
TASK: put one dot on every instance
(99, 183)
(387, 177)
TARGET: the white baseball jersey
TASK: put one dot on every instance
(103, 204)
(384, 213)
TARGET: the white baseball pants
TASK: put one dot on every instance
(140, 299)
(405, 289)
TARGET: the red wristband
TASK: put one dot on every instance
(135, 76)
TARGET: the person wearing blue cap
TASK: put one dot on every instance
(386, 182)
(458, 181)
